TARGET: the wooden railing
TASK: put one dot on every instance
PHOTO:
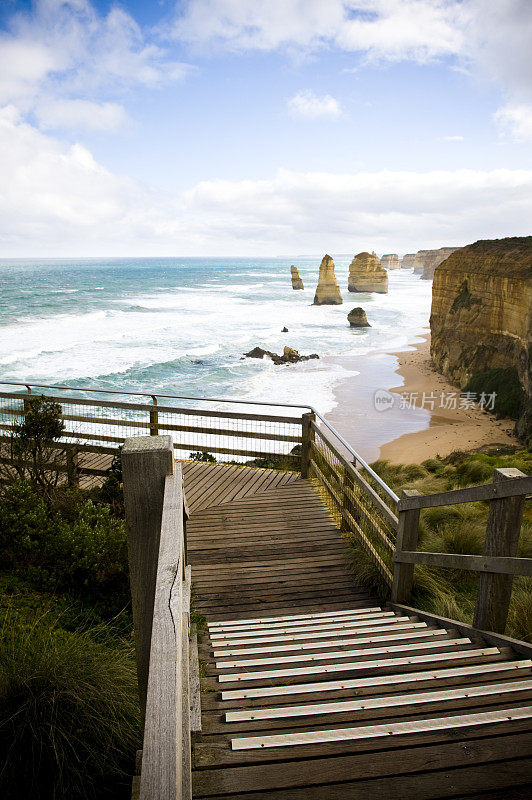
(498, 564)
(387, 527)
(96, 426)
(156, 514)
(361, 502)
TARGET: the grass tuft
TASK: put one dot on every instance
(69, 714)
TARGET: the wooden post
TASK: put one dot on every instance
(72, 465)
(502, 538)
(407, 536)
(146, 461)
(307, 435)
(154, 418)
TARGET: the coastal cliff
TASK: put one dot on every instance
(408, 260)
(433, 259)
(426, 261)
(366, 274)
(327, 291)
(297, 282)
(481, 321)
(391, 261)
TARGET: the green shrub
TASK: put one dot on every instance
(84, 552)
(202, 455)
(509, 394)
(111, 491)
(69, 716)
(34, 454)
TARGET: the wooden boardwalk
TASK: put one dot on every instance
(311, 690)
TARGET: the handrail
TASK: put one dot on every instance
(160, 588)
(310, 408)
(520, 485)
(498, 563)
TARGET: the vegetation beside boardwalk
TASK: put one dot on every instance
(69, 711)
(453, 529)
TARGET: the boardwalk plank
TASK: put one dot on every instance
(299, 658)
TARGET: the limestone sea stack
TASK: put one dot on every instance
(481, 320)
(327, 291)
(391, 261)
(357, 318)
(366, 274)
(408, 260)
(297, 283)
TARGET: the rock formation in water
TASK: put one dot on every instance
(481, 319)
(426, 261)
(290, 356)
(327, 291)
(391, 261)
(357, 318)
(408, 260)
(297, 282)
(366, 274)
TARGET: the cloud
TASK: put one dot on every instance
(68, 52)
(79, 114)
(489, 40)
(389, 30)
(57, 200)
(517, 119)
(311, 106)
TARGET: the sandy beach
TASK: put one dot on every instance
(403, 434)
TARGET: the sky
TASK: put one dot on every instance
(262, 127)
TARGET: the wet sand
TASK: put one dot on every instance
(409, 434)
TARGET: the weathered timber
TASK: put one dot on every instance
(146, 462)
(491, 564)
(407, 536)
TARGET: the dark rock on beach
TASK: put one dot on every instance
(290, 356)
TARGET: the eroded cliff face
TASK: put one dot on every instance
(391, 261)
(366, 274)
(327, 291)
(297, 282)
(432, 259)
(481, 316)
(426, 261)
(408, 260)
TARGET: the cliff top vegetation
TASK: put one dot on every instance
(511, 256)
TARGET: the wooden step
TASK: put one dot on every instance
(375, 731)
(387, 701)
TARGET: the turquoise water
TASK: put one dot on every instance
(181, 326)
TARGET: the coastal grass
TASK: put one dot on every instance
(69, 713)
(452, 529)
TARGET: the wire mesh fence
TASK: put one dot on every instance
(95, 427)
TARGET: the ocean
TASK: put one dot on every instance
(182, 325)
